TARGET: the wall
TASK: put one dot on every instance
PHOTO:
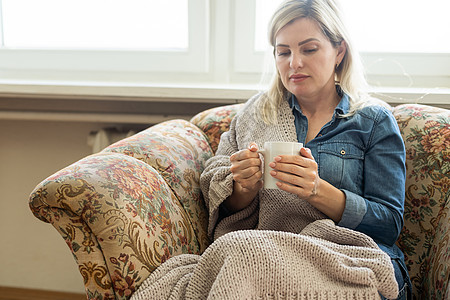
(33, 253)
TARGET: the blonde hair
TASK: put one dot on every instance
(349, 74)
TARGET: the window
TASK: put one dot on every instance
(96, 24)
(402, 42)
(401, 26)
(57, 38)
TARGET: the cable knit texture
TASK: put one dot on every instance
(296, 253)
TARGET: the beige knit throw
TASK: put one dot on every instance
(324, 261)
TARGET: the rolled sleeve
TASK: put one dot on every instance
(354, 211)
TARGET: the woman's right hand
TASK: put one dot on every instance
(247, 174)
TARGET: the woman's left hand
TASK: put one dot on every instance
(298, 173)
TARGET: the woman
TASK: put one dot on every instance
(352, 167)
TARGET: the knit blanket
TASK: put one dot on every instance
(324, 261)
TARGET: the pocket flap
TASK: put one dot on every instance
(342, 149)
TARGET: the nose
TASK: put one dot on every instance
(296, 61)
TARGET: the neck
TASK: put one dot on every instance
(323, 103)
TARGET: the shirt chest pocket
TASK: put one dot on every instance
(342, 165)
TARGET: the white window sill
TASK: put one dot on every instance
(124, 92)
(40, 94)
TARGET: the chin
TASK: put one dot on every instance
(298, 92)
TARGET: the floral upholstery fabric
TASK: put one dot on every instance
(425, 236)
(177, 150)
(215, 121)
(129, 208)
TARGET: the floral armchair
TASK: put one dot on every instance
(130, 207)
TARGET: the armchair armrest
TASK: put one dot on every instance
(127, 209)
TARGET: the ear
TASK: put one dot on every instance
(341, 50)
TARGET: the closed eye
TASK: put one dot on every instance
(310, 51)
(284, 53)
(282, 50)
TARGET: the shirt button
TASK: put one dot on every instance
(342, 152)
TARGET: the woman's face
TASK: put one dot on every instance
(306, 59)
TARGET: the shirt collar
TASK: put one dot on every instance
(293, 103)
(341, 109)
(344, 105)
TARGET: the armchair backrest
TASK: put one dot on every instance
(215, 121)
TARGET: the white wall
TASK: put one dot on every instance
(32, 252)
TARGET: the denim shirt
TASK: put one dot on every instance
(364, 156)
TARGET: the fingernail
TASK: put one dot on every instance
(278, 158)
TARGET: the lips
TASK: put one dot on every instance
(298, 77)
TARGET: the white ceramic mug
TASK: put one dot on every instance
(272, 150)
